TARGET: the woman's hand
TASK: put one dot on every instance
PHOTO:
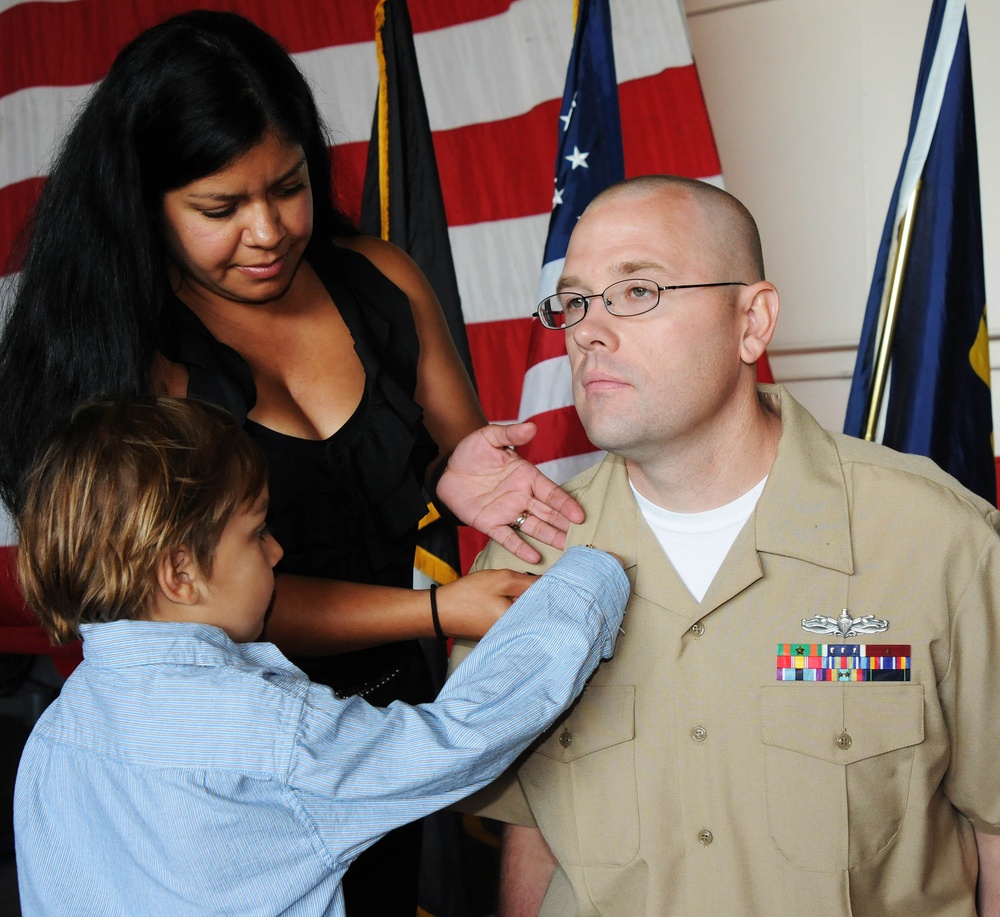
(489, 486)
(471, 605)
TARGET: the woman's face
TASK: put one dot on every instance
(239, 234)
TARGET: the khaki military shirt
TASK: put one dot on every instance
(689, 780)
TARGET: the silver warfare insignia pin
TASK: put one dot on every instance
(845, 625)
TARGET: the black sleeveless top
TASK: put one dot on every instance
(347, 507)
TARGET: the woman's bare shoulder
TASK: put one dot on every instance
(390, 259)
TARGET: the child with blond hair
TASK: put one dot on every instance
(185, 768)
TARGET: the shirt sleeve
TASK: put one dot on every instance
(970, 693)
(503, 800)
(361, 771)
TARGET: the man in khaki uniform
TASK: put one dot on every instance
(803, 715)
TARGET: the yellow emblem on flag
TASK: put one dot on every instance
(979, 355)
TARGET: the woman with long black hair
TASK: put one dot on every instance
(187, 242)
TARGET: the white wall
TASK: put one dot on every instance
(810, 101)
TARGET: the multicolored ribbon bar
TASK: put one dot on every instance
(843, 649)
(843, 662)
(843, 674)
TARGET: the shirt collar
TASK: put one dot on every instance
(803, 512)
(125, 643)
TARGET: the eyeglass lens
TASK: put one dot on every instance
(624, 297)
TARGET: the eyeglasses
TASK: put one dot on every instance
(623, 297)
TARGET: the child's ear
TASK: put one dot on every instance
(178, 577)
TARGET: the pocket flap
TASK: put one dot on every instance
(604, 716)
(842, 724)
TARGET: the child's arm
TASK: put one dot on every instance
(364, 770)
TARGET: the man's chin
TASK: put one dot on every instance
(608, 436)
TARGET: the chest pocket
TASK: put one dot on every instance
(581, 781)
(838, 763)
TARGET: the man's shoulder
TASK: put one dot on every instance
(579, 485)
(911, 477)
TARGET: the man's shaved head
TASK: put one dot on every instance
(729, 229)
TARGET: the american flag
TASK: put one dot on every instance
(589, 159)
(493, 73)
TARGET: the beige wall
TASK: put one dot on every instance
(810, 102)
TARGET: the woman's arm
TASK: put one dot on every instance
(487, 485)
(444, 390)
(353, 616)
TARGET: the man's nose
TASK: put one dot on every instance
(597, 326)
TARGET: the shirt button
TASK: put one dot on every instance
(699, 733)
(844, 741)
(566, 739)
(705, 837)
(698, 629)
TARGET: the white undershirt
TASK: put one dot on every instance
(697, 543)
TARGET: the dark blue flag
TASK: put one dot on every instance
(938, 398)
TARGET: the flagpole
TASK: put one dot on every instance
(382, 104)
(890, 308)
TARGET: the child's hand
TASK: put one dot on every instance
(469, 607)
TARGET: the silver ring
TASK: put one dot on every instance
(519, 521)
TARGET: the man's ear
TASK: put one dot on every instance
(178, 577)
(760, 307)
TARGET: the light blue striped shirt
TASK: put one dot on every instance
(180, 773)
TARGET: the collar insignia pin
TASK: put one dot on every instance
(845, 625)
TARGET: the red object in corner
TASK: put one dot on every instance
(19, 631)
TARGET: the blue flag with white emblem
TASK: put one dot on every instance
(937, 401)
(590, 157)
